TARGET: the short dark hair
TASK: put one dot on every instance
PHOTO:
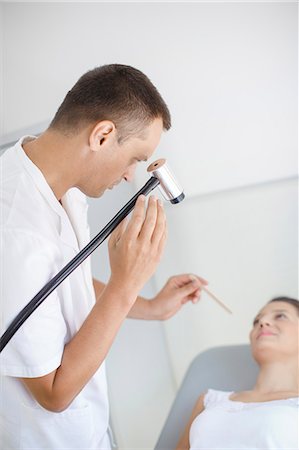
(291, 301)
(113, 92)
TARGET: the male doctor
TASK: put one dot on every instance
(53, 387)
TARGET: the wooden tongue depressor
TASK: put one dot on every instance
(213, 296)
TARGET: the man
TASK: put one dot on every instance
(54, 392)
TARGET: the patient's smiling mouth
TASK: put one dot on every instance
(265, 333)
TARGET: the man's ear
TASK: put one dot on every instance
(100, 134)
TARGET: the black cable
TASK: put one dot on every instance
(73, 264)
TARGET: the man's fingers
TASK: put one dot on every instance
(196, 277)
(182, 279)
(135, 224)
(162, 241)
(189, 289)
(118, 232)
(150, 220)
(160, 227)
(193, 297)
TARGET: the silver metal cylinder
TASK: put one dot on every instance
(169, 187)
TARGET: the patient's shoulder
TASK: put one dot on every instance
(199, 405)
(243, 396)
(211, 397)
(214, 397)
(254, 396)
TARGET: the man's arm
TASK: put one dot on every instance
(134, 253)
(177, 291)
(140, 310)
(84, 354)
(98, 287)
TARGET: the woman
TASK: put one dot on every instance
(265, 417)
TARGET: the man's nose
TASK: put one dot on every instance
(129, 174)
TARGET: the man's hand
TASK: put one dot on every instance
(135, 248)
(178, 290)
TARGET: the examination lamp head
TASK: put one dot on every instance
(168, 186)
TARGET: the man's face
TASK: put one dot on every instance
(114, 162)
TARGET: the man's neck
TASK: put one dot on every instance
(49, 152)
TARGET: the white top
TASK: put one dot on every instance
(39, 237)
(227, 424)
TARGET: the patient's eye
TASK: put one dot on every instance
(256, 321)
(280, 315)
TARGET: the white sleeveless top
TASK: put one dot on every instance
(227, 424)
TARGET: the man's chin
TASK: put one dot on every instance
(95, 194)
(100, 193)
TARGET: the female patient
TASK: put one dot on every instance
(265, 417)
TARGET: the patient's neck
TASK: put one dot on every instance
(278, 376)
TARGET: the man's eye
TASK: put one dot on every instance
(255, 322)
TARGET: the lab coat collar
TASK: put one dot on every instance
(73, 229)
(76, 206)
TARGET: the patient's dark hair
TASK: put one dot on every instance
(113, 92)
(291, 301)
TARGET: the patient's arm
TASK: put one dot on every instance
(183, 443)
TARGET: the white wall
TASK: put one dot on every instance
(228, 72)
(231, 80)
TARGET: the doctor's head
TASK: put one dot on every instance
(118, 116)
(274, 334)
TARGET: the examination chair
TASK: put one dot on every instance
(229, 368)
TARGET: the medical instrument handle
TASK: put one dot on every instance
(23, 315)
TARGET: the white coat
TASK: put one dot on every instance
(39, 236)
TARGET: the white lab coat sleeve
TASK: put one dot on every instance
(28, 262)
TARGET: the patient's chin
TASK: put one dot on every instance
(264, 352)
(267, 352)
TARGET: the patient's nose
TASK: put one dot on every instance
(264, 322)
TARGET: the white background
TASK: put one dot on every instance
(228, 72)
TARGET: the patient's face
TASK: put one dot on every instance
(275, 332)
